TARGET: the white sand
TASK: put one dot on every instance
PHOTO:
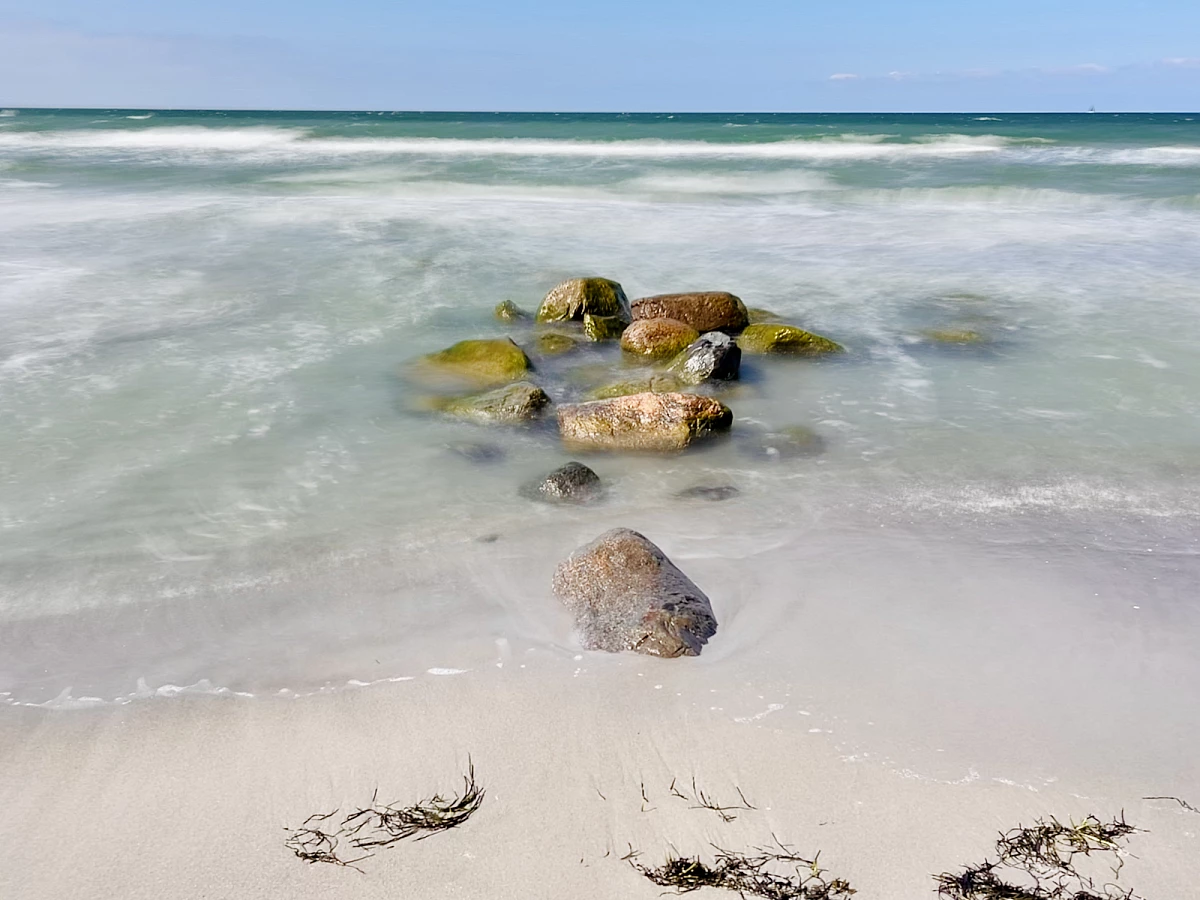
(188, 797)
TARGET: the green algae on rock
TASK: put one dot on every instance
(488, 361)
(603, 328)
(757, 315)
(648, 421)
(571, 299)
(960, 336)
(764, 338)
(518, 402)
(659, 383)
(507, 311)
(704, 311)
(659, 338)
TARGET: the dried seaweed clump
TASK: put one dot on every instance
(382, 824)
(753, 874)
(1040, 863)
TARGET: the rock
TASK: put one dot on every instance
(787, 443)
(554, 344)
(709, 311)
(786, 339)
(700, 492)
(959, 336)
(626, 595)
(483, 362)
(758, 315)
(658, 338)
(658, 383)
(603, 328)
(514, 403)
(507, 311)
(646, 421)
(572, 299)
(712, 355)
(572, 483)
(482, 454)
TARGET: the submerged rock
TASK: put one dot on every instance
(554, 344)
(576, 297)
(704, 492)
(786, 339)
(476, 452)
(658, 383)
(787, 443)
(603, 328)
(955, 336)
(712, 355)
(626, 595)
(658, 338)
(706, 311)
(481, 361)
(757, 315)
(507, 311)
(647, 421)
(572, 483)
(515, 403)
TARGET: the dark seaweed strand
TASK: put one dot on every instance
(1043, 857)
(755, 873)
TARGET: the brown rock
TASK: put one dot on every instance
(658, 338)
(707, 311)
(626, 595)
(648, 421)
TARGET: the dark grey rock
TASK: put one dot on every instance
(483, 454)
(626, 595)
(572, 483)
(714, 355)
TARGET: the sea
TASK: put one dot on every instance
(217, 474)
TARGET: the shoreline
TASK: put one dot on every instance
(204, 787)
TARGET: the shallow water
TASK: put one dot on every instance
(212, 471)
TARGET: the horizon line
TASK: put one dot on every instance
(584, 112)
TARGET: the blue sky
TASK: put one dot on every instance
(618, 55)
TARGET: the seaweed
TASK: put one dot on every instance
(1182, 803)
(1042, 859)
(755, 873)
(385, 824)
(703, 801)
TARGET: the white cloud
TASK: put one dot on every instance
(1081, 69)
(1182, 62)
(843, 76)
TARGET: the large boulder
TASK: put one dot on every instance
(647, 421)
(483, 362)
(626, 595)
(518, 402)
(572, 483)
(713, 355)
(707, 311)
(578, 296)
(770, 338)
(658, 338)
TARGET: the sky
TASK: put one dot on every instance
(619, 56)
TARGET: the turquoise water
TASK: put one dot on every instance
(211, 466)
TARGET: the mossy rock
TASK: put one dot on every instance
(554, 344)
(518, 402)
(757, 315)
(954, 336)
(491, 361)
(603, 328)
(572, 299)
(658, 338)
(658, 384)
(507, 311)
(764, 338)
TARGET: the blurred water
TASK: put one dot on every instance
(210, 466)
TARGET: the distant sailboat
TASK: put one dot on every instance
(1091, 109)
